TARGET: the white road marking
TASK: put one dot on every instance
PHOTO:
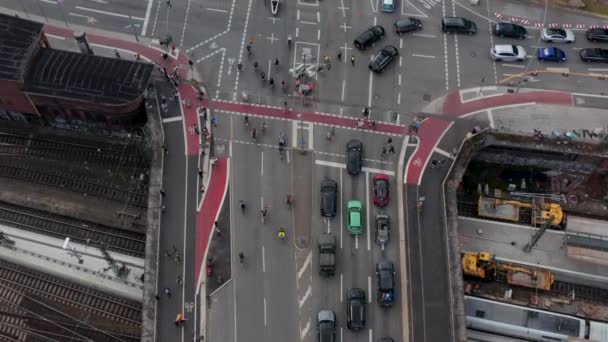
(181, 41)
(424, 35)
(356, 241)
(442, 152)
(53, 2)
(341, 287)
(371, 81)
(298, 15)
(318, 34)
(367, 208)
(308, 22)
(341, 217)
(304, 331)
(342, 8)
(597, 69)
(423, 56)
(328, 223)
(88, 18)
(210, 55)
(419, 12)
(563, 70)
(457, 56)
(398, 102)
(445, 59)
(216, 10)
(491, 118)
(373, 170)
(107, 13)
(305, 265)
(144, 27)
(370, 332)
(318, 16)
(399, 78)
(54, 36)
(508, 75)
(343, 88)
(264, 311)
(297, 32)
(513, 66)
(305, 297)
(375, 10)
(263, 260)
(262, 164)
(369, 288)
(167, 120)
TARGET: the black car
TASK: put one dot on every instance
(407, 25)
(510, 31)
(354, 157)
(368, 37)
(329, 189)
(385, 277)
(386, 339)
(594, 55)
(384, 58)
(355, 309)
(597, 35)
(326, 326)
(458, 25)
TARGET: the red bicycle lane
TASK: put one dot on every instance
(432, 129)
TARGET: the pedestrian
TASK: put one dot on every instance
(352, 60)
(190, 63)
(165, 108)
(157, 297)
(165, 56)
(200, 172)
(173, 48)
(168, 292)
(340, 55)
(391, 149)
(389, 140)
(276, 62)
(163, 193)
(217, 227)
(434, 163)
(204, 114)
(202, 188)
(116, 53)
(213, 121)
(137, 57)
(373, 123)
(383, 150)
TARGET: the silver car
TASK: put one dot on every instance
(557, 35)
(508, 53)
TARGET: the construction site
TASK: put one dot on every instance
(534, 243)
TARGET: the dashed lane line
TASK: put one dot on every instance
(108, 13)
(423, 56)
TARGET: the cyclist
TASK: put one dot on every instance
(248, 49)
(283, 84)
(264, 212)
(254, 134)
(263, 127)
(281, 233)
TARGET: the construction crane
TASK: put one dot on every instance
(509, 210)
(483, 265)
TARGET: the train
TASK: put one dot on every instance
(530, 324)
(543, 213)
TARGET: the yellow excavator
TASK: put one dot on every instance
(506, 209)
(483, 265)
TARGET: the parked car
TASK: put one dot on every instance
(368, 37)
(355, 309)
(386, 339)
(597, 34)
(385, 281)
(383, 230)
(384, 58)
(557, 35)
(380, 190)
(354, 217)
(551, 54)
(329, 190)
(405, 25)
(594, 55)
(388, 6)
(508, 53)
(354, 157)
(510, 30)
(326, 326)
(458, 25)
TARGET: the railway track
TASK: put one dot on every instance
(130, 242)
(17, 280)
(73, 183)
(99, 153)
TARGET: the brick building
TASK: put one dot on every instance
(41, 84)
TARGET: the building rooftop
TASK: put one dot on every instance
(90, 78)
(17, 41)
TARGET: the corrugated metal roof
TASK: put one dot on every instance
(17, 40)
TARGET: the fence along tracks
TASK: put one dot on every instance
(125, 241)
(17, 279)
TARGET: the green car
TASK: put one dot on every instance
(355, 217)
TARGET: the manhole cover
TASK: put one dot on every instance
(426, 97)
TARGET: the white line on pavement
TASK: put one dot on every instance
(167, 120)
(356, 241)
(343, 88)
(491, 118)
(341, 286)
(330, 164)
(398, 102)
(373, 170)
(442, 152)
(370, 333)
(369, 288)
(341, 216)
(371, 81)
(216, 10)
(565, 70)
(308, 22)
(423, 56)
(107, 13)
(424, 35)
(597, 69)
(298, 15)
(318, 16)
(144, 27)
(264, 311)
(508, 75)
(181, 41)
(305, 265)
(514, 66)
(328, 223)
(54, 36)
(305, 297)
(304, 331)
(367, 207)
(399, 78)
(457, 53)
(318, 34)
(50, 2)
(342, 8)
(263, 260)
(262, 164)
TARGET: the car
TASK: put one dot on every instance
(380, 190)
(326, 326)
(557, 35)
(354, 157)
(383, 59)
(594, 55)
(355, 309)
(383, 229)
(597, 35)
(329, 189)
(386, 339)
(508, 53)
(369, 37)
(458, 25)
(551, 54)
(510, 30)
(388, 6)
(385, 281)
(354, 218)
(407, 25)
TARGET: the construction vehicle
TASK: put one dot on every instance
(483, 265)
(537, 213)
(327, 254)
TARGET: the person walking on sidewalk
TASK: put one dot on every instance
(352, 60)
(167, 292)
(339, 55)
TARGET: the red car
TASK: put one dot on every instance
(381, 189)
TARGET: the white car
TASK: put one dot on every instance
(508, 53)
(557, 35)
